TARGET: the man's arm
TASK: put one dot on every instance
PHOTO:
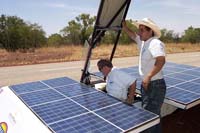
(131, 94)
(128, 31)
(160, 61)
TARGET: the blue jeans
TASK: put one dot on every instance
(152, 100)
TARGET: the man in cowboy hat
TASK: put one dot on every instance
(151, 62)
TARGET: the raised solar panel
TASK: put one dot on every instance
(70, 107)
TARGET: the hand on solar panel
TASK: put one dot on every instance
(130, 100)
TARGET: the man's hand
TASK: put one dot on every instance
(146, 82)
(130, 100)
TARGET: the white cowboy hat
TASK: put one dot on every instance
(149, 23)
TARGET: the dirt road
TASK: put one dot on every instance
(21, 74)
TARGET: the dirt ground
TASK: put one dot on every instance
(182, 121)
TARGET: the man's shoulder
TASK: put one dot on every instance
(156, 40)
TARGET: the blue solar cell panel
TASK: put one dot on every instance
(75, 89)
(181, 96)
(87, 123)
(170, 64)
(95, 100)
(138, 84)
(192, 72)
(39, 97)
(167, 72)
(172, 81)
(119, 113)
(58, 110)
(174, 69)
(197, 69)
(59, 82)
(185, 66)
(28, 87)
(181, 76)
(196, 81)
(192, 87)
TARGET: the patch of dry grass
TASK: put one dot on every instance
(72, 53)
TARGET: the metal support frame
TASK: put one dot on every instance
(98, 33)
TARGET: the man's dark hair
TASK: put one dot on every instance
(104, 62)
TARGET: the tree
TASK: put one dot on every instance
(37, 34)
(16, 34)
(78, 30)
(125, 39)
(168, 36)
(110, 36)
(55, 40)
(3, 31)
(191, 35)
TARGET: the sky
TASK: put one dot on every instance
(54, 15)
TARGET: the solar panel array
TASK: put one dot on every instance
(183, 82)
(65, 105)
